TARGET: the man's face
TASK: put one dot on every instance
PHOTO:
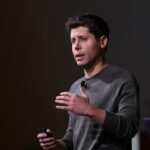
(85, 48)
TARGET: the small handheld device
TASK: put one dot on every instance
(49, 134)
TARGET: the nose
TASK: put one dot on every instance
(77, 45)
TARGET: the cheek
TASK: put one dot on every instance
(72, 51)
(93, 54)
(90, 46)
(73, 54)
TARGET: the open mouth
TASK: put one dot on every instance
(79, 57)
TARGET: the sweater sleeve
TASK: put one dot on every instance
(68, 137)
(125, 122)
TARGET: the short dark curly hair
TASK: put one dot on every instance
(96, 25)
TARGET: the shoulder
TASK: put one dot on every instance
(120, 77)
(119, 73)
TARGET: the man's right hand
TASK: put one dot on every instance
(46, 142)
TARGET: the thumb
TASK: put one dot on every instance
(82, 92)
(49, 133)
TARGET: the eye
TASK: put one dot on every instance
(73, 40)
(84, 38)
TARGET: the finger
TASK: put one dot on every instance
(49, 147)
(41, 135)
(82, 92)
(48, 130)
(46, 148)
(45, 140)
(63, 97)
(47, 143)
(66, 93)
(51, 133)
(62, 107)
(64, 102)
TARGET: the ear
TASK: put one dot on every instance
(103, 41)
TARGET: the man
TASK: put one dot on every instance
(103, 105)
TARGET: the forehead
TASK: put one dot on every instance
(79, 31)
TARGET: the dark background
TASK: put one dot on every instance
(37, 64)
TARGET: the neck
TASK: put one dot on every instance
(94, 69)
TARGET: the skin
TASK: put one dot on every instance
(50, 143)
(89, 54)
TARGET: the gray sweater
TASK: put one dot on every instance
(115, 90)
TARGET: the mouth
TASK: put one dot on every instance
(79, 57)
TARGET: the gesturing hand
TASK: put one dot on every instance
(78, 104)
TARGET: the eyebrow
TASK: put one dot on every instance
(79, 36)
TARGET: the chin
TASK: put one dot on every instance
(81, 65)
(85, 65)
